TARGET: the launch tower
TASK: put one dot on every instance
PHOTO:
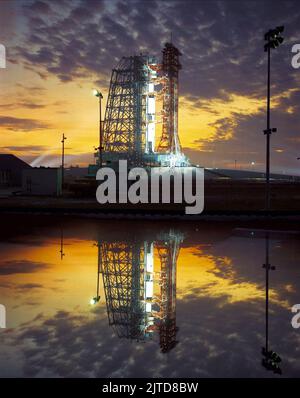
(131, 116)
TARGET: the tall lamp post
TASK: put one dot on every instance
(62, 254)
(63, 160)
(96, 299)
(273, 40)
(97, 93)
(271, 359)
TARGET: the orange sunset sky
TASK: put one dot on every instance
(57, 51)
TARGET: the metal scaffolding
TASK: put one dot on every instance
(125, 117)
(129, 128)
(134, 309)
(120, 267)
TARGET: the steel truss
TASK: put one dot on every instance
(124, 124)
(122, 267)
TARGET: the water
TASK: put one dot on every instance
(176, 299)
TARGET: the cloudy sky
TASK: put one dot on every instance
(58, 50)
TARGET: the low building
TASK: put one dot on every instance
(73, 173)
(11, 168)
(42, 181)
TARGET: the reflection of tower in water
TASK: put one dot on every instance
(140, 288)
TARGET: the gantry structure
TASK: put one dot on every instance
(131, 116)
(139, 281)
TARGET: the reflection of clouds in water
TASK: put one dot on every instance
(213, 341)
(218, 277)
(236, 266)
(10, 267)
(220, 312)
(29, 286)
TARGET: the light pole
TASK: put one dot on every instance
(96, 149)
(63, 160)
(62, 254)
(270, 359)
(273, 39)
(97, 93)
(96, 299)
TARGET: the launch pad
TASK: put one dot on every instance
(137, 84)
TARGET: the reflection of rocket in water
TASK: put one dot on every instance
(168, 254)
(141, 292)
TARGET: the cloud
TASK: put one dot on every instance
(239, 136)
(39, 7)
(221, 42)
(222, 46)
(11, 267)
(8, 21)
(213, 342)
(27, 148)
(217, 338)
(29, 286)
(23, 104)
(21, 124)
(31, 89)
